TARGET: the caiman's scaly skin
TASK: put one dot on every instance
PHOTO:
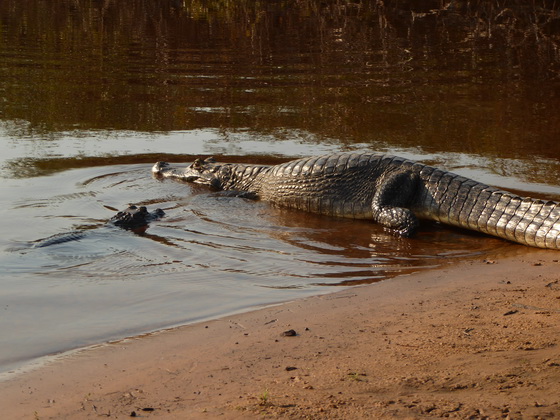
(392, 191)
(132, 218)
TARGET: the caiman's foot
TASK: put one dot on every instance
(400, 220)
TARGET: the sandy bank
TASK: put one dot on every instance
(479, 339)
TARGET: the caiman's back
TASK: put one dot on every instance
(341, 185)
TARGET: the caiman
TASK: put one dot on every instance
(392, 191)
(132, 218)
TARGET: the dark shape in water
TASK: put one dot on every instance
(135, 217)
(132, 218)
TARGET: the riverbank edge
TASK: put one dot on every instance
(480, 336)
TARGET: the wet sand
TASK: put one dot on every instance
(479, 339)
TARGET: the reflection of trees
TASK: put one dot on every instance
(415, 71)
(527, 33)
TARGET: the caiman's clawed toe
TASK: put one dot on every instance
(392, 191)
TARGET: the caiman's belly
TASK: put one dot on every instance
(330, 206)
(344, 194)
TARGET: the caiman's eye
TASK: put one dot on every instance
(197, 164)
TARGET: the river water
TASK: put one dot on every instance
(92, 93)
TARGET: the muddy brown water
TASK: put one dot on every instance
(93, 93)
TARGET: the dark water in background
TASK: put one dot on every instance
(92, 93)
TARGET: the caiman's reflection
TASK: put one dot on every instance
(352, 252)
(288, 248)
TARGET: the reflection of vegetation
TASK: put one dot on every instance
(420, 72)
(31, 167)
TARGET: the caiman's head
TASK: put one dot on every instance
(135, 217)
(207, 172)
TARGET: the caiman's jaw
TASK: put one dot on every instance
(164, 169)
(205, 172)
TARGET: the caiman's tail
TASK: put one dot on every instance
(466, 203)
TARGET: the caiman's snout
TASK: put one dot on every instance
(200, 171)
(164, 169)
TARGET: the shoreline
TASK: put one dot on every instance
(40, 362)
(476, 338)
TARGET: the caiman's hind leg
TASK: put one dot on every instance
(394, 193)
